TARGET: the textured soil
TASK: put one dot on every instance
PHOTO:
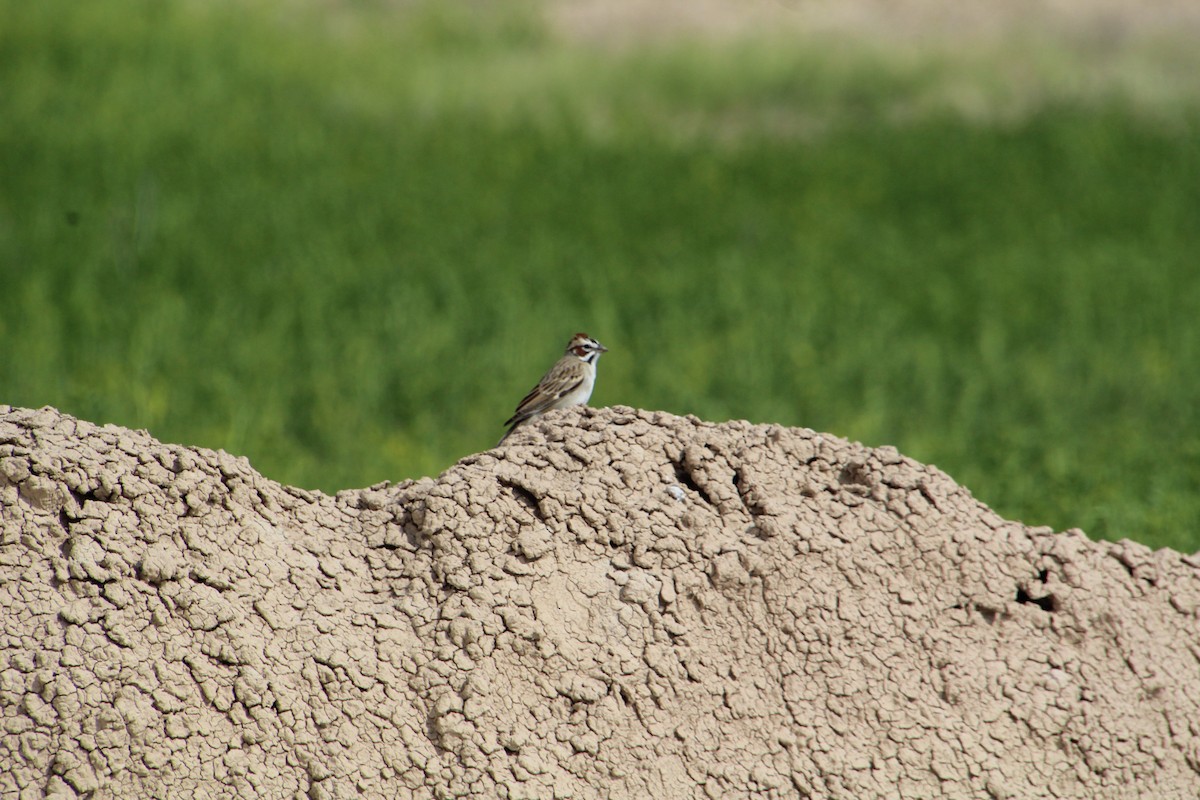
(618, 604)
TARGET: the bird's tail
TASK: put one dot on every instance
(507, 434)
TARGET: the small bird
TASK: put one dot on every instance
(568, 383)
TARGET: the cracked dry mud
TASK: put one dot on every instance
(620, 604)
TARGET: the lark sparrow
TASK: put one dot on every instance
(568, 383)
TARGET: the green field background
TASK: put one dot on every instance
(344, 239)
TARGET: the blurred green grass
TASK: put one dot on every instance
(344, 240)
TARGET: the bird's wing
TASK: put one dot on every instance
(562, 379)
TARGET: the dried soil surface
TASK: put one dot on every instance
(618, 604)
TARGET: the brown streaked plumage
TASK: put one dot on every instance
(568, 383)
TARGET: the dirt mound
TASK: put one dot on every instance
(619, 604)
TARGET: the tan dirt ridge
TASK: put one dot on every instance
(620, 604)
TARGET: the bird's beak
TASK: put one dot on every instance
(603, 349)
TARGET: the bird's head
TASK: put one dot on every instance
(585, 348)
